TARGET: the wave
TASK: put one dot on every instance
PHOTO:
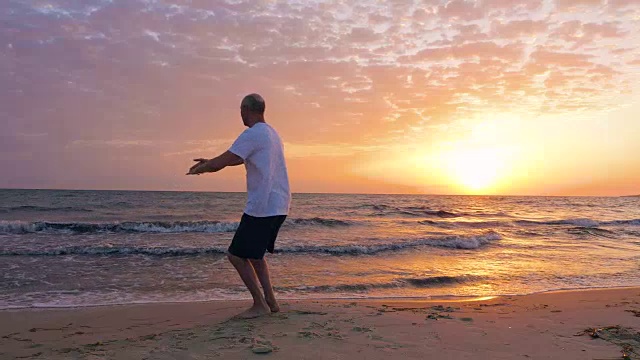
(440, 280)
(377, 207)
(21, 227)
(32, 208)
(386, 210)
(466, 224)
(575, 222)
(635, 222)
(451, 242)
(418, 213)
(318, 221)
(426, 282)
(592, 231)
(580, 222)
(419, 210)
(116, 250)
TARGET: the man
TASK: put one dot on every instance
(261, 151)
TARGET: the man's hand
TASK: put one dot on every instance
(198, 168)
(216, 164)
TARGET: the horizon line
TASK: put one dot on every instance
(317, 193)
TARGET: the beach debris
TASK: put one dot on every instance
(627, 338)
(635, 313)
(30, 356)
(95, 344)
(595, 332)
(13, 336)
(441, 308)
(436, 316)
(497, 304)
(539, 306)
(466, 319)
(261, 349)
(308, 334)
(436, 310)
(385, 309)
(51, 329)
(304, 312)
(315, 325)
(149, 337)
(260, 345)
(626, 351)
(361, 329)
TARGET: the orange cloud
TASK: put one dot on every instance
(367, 74)
(563, 5)
(518, 28)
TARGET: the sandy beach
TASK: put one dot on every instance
(593, 324)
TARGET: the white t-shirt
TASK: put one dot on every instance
(268, 191)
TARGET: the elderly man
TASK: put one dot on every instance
(261, 151)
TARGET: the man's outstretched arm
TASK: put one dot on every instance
(216, 164)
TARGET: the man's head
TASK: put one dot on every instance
(252, 109)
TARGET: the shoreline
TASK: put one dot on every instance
(436, 298)
(552, 324)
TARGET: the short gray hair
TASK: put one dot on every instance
(254, 102)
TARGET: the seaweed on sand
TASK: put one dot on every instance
(628, 339)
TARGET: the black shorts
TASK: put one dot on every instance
(255, 235)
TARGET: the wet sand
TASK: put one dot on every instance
(591, 324)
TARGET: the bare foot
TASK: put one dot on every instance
(254, 312)
(273, 305)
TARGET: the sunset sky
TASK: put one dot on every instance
(439, 97)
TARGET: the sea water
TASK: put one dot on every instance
(63, 248)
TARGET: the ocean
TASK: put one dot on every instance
(62, 248)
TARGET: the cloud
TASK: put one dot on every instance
(519, 28)
(564, 5)
(581, 34)
(461, 9)
(116, 143)
(511, 5)
(484, 49)
(362, 35)
(561, 59)
(174, 73)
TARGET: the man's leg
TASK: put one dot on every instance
(262, 270)
(248, 276)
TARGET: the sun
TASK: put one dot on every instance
(475, 170)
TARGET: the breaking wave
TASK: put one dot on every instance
(452, 242)
(22, 227)
(425, 282)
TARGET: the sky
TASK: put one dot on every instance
(519, 97)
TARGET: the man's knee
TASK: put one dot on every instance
(257, 262)
(235, 259)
